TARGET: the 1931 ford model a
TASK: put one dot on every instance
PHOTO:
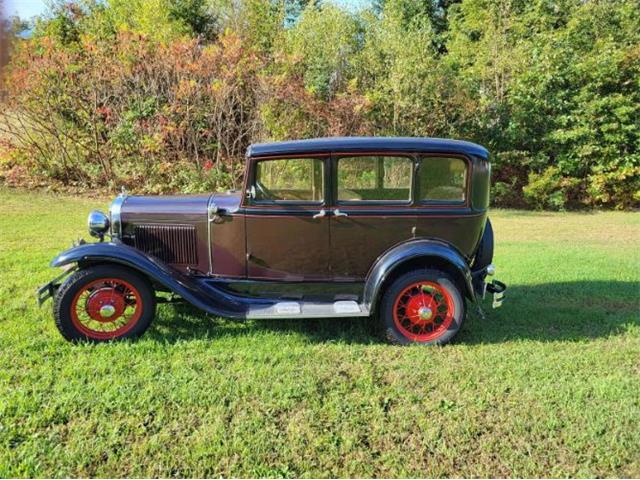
(334, 227)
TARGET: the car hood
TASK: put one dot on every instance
(175, 207)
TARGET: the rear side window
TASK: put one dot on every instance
(442, 179)
(374, 178)
(291, 180)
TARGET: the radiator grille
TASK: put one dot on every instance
(174, 244)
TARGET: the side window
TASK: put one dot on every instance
(374, 178)
(290, 179)
(442, 179)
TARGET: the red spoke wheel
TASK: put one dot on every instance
(423, 307)
(423, 310)
(106, 308)
(104, 303)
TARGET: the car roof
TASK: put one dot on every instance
(366, 144)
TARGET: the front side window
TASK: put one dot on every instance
(442, 179)
(374, 178)
(290, 179)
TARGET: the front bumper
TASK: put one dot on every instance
(47, 291)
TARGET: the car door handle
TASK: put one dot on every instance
(338, 213)
(320, 214)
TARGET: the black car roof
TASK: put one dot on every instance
(366, 144)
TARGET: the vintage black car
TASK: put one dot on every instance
(394, 228)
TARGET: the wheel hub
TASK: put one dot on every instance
(425, 313)
(105, 304)
(420, 309)
(107, 310)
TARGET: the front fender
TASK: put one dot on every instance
(114, 252)
(208, 299)
(414, 250)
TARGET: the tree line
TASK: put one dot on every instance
(166, 95)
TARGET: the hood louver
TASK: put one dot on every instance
(174, 244)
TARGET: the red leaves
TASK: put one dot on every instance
(136, 110)
(127, 106)
(299, 113)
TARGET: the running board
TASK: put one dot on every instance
(291, 309)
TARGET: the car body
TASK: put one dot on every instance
(322, 228)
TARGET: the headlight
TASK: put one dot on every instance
(98, 223)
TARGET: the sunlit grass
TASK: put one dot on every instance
(549, 385)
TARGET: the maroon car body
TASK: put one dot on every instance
(321, 228)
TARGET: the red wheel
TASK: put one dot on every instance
(106, 308)
(425, 307)
(423, 311)
(104, 303)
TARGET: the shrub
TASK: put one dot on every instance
(164, 95)
(134, 112)
(550, 190)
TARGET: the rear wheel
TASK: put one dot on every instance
(424, 307)
(103, 303)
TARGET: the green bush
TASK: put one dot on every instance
(165, 95)
(550, 190)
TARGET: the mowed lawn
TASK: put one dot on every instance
(549, 385)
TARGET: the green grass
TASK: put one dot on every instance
(549, 385)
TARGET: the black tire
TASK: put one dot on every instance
(484, 254)
(454, 298)
(64, 300)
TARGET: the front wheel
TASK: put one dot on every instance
(102, 303)
(423, 307)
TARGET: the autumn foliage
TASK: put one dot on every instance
(166, 95)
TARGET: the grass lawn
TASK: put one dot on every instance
(549, 385)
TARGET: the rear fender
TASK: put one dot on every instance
(411, 252)
(198, 294)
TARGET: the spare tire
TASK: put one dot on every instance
(484, 254)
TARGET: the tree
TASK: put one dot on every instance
(411, 90)
(323, 43)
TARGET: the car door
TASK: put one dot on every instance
(371, 211)
(286, 220)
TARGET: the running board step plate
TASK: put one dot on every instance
(342, 308)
